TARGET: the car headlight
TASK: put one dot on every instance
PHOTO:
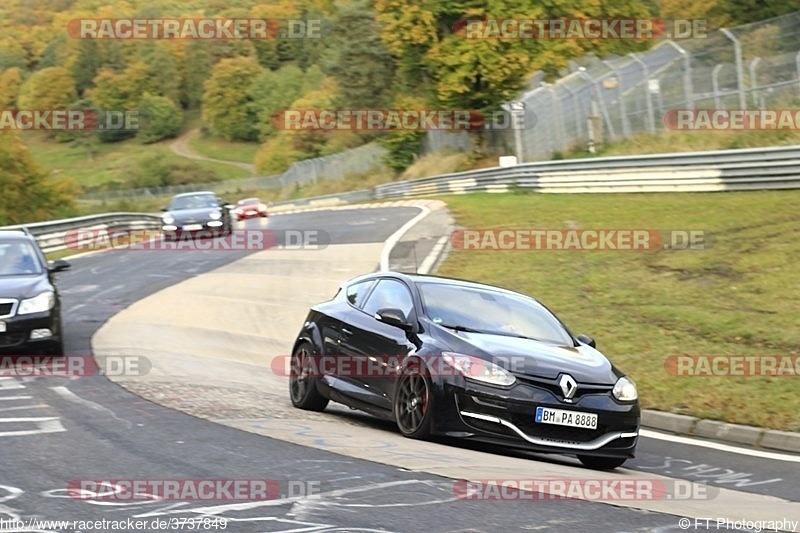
(625, 390)
(479, 369)
(168, 219)
(215, 215)
(38, 304)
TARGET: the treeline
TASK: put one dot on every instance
(373, 54)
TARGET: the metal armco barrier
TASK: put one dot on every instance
(62, 234)
(720, 170)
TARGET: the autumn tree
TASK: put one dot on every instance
(228, 107)
(159, 118)
(10, 84)
(275, 91)
(28, 194)
(360, 61)
(50, 88)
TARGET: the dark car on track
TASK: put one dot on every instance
(196, 213)
(448, 357)
(30, 307)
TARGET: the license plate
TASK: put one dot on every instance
(193, 227)
(560, 417)
(2, 327)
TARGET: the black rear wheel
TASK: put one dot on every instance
(601, 463)
(413, 403)
(302, 385)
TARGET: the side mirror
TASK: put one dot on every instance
(586, 339)
(394, 317)
(58, 265)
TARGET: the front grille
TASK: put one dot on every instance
(7, 340)
(5, 309)
(553, 386)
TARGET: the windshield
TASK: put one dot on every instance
(18, 259)
(488, 311)
(193, 202)
(249, 201)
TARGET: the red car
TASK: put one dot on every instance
(249, 208)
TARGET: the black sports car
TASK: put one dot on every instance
(449, 357)
(196, 213)
(30, 308)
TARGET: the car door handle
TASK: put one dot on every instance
(346, 332)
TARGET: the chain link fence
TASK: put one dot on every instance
(336, 166)
(755, 66)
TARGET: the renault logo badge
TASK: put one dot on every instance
(568, 386)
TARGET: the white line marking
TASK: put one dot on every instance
(20, 407)
(397, 235)
(719, 446)
(45, 425)
(16, 397)
(72, 397)
(427, 264)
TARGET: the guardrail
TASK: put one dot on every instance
(62, 234)
(719, 170)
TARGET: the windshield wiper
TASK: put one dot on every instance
(468, 329)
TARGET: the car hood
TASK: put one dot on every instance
(193, 215)
(21, 287)
(536, 358)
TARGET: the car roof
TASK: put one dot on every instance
(15, 235)
(424, 278)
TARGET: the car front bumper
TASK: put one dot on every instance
(29, 331)
(467, 409)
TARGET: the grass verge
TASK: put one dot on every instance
(740, 297)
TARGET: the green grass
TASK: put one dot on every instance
(218, 148)
(740, 297)
(112, 161)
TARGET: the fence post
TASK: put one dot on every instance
(688, 90)
(626, 127)
(648, 98)
(718, 104)
(601, 102)
(737, 48)
(559, 127)
(797, 63)
(753, 79)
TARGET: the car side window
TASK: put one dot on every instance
(390, 294)
(358, 291)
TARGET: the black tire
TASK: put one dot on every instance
(601, 463)
(413, 403)
(303, 388)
